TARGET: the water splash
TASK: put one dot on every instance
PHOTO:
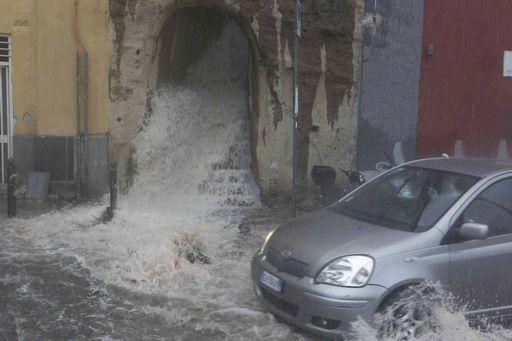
(195, 149)
(437, 313)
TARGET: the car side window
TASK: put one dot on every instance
(493, 207)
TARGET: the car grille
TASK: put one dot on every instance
(291, 266)
(282, 305)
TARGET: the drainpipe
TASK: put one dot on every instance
(86, 122)
(82, 154)
(78, 157)
(82, 119)
(296, 114)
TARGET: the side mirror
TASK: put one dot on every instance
(474, 231)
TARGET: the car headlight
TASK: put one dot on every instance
(265, 242)
(349, 271)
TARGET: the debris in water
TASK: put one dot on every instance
(190, 246)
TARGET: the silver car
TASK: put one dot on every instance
(444, 220)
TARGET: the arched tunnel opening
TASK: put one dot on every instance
(203, 100)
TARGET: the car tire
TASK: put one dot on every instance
(407, 314)
(278, 318)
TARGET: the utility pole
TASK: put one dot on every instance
(296, 115)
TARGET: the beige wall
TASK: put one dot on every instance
(46, 35)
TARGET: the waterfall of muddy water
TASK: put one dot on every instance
(195, 150)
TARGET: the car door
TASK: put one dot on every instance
(481, 270)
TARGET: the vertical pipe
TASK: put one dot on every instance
(67, 164)
(113, 190)
(86, 121)
(11, 188)
(2, 166)
(298, 35)
(78, 173)
(82, 175)
(9, 104)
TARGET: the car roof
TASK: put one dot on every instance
(478, 167)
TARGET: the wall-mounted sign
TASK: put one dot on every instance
(507, 64)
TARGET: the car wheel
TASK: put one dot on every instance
(278, 318)
(407, 314)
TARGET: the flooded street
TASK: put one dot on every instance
(46, 293)
(66, 276)
(174, 262)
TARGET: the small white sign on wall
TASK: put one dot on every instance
(507, 64)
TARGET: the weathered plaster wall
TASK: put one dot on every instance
(391, 70)
(329, 59)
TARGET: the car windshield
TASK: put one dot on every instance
(407, 198)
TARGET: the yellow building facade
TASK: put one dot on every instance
(43, 38)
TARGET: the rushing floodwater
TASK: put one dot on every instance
(66, 275)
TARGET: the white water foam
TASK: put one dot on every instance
(195, 151)
(193, 160)
(443, 317)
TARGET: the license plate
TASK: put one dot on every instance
(271, 282)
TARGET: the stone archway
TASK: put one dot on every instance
(205, 50)
(328, 93)
(152, 54)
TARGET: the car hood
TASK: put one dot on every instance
(318, 238)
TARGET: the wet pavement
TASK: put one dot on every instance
(65, 275)
(29, 208)
(47, 294)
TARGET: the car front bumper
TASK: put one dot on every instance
(322, 309)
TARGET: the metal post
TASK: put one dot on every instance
(11, 188)
(296, 115)
(85, 106)
(113, 190)
(82, 127)
(78, 144)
